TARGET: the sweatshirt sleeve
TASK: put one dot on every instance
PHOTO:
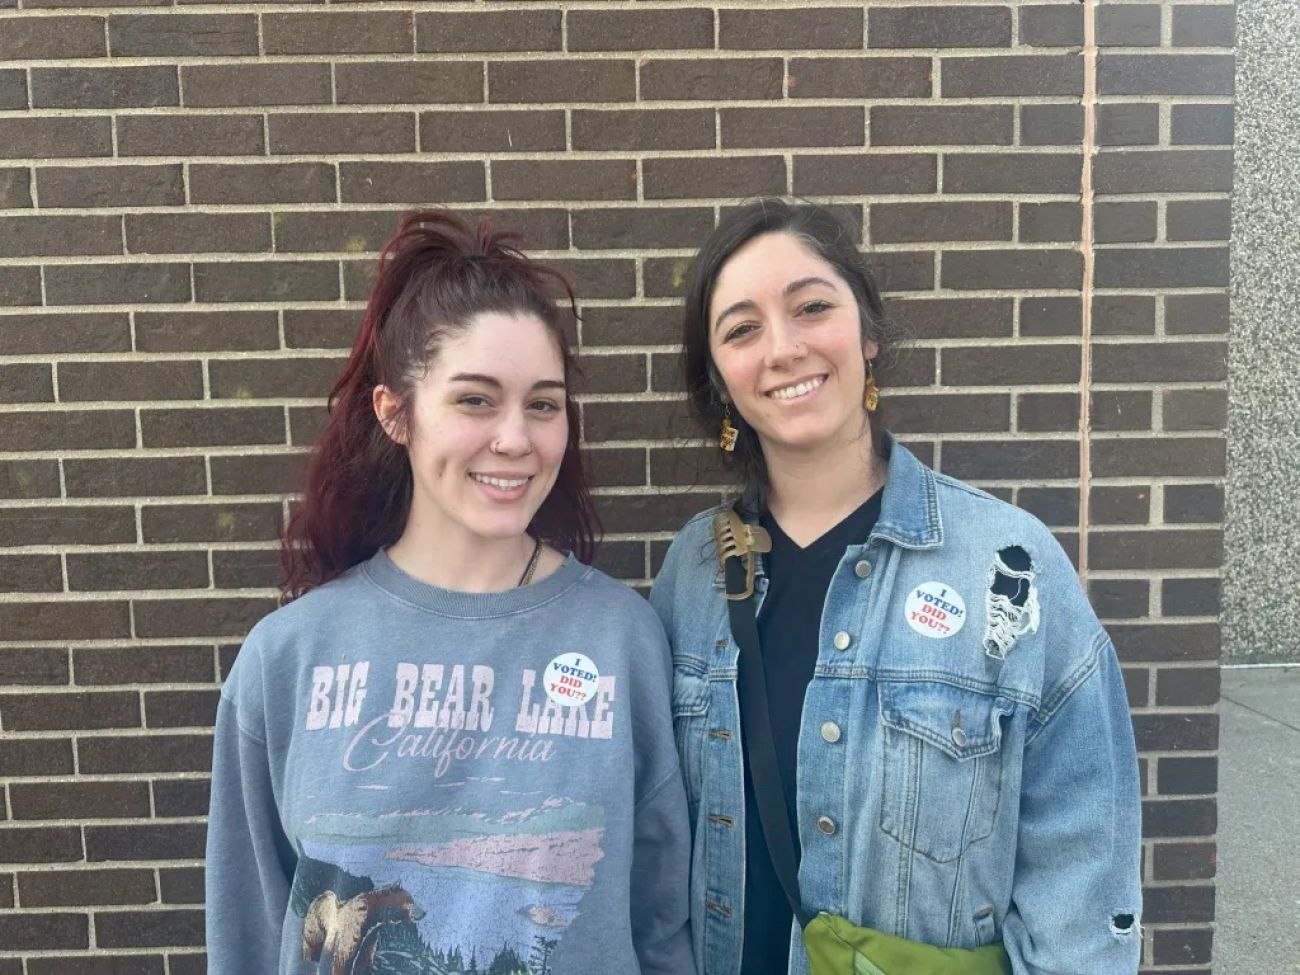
(660, 882)
(250, 862)
(661, 848)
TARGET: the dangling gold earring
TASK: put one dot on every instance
(871, 391)
(727, 438)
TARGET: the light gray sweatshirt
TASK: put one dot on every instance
(414, 781)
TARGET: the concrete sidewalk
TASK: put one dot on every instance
(1259, 804)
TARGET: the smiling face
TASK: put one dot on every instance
(785, 335)
(486, 428)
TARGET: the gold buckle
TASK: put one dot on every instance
(732, 538)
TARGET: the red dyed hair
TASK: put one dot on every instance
(435, 275)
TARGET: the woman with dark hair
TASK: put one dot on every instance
(451, 751)
(937, 762)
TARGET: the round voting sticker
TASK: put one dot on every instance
(935, 610)
(571, 679)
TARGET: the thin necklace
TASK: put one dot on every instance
(531, 567)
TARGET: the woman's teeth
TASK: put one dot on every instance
(790, 392)
(498, 482)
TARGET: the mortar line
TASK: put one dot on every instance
(1089, 53)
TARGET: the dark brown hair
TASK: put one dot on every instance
(827, 235)
(436, 274)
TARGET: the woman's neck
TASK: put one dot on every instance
(811, 492)
(445, 554)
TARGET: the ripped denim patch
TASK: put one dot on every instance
(1012, 601)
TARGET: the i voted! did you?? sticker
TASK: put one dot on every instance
(571, 679)
(933, 609)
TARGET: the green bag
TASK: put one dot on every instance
(834, 945)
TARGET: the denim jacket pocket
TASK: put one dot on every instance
(942, 765)
(690, 712)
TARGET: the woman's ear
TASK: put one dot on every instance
(870, 349)
(387, 406)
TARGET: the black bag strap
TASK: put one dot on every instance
(760, 747)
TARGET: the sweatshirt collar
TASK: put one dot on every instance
(384, 573)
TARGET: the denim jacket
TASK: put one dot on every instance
(967, 771)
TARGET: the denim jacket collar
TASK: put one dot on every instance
(909, 511)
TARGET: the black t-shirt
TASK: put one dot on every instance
(788, 628)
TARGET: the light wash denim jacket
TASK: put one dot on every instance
(967, 772)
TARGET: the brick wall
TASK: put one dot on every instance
(190, 199)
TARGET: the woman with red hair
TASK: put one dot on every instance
(451, 750)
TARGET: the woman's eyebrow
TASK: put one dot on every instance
(479, 377)
(791, 288)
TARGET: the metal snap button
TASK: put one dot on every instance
(862, 569)
(959, 737)
(830, 732)
(842, 640)
(826, 824)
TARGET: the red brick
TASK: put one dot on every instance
(75, 800)
(206, 331)
(110, 571)
(115, 186)
(825, 28)
(643, 128)
(70, 712)
(870, 174)
(279, 83)
(39, 930)
(29, 479)
(182, 35)
(696, 178)
(152, 753)
(116, 381)
(103, 666)
(411, 182)
(197, 233)
(1165, 74)
(202, 522)
(939, 26)
(52, 38)
(495, 131)
(55, 138)
(64, 620)
(670, 28)
(561, 81)
(116, 284)
(30, 573)
(462, 31)
(212, 427)
(912, 222)
(563, 179)
(953, 125)
(369, 32)
(114, 87)
(84, 888)
(749, 128)
(1020, 74)
(15, 188)
(67, 525)
(1011, 172)
(266, 281)
(408, 82)
(189, 135)
(330, 133)
(858, 78)
(711, 79)
(148, 929)
(262, 183)
(163, 841)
